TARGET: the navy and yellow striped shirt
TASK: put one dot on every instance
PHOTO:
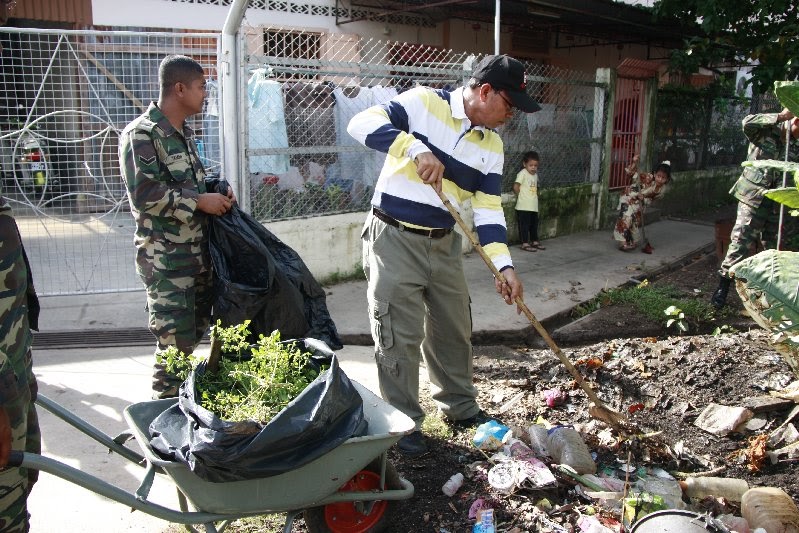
(426, 120)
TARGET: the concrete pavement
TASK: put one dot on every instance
(77, 367)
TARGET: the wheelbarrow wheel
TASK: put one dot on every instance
(347, 517)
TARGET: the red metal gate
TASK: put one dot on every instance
(628, 121)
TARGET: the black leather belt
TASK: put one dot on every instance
(435, 233)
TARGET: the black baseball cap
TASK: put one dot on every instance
(503, 72)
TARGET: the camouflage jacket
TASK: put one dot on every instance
(164, 178)
(15, 333)
(767, 141)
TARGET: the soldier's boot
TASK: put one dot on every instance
(720, 296)
(165, 385)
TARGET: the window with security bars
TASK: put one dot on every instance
(294, 45)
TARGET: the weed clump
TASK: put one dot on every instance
(254, 382)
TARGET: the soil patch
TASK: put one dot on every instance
(661, 382)
(696, 280)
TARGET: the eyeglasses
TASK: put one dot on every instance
(510, 105)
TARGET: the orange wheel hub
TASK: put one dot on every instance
(344, 517)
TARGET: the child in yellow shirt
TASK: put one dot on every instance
(526, 189)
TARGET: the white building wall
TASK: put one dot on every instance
(204, 17)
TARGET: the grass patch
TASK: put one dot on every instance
(434, 426)
(651, 301)
(356, 274)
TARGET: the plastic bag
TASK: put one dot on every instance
(258, 278)
(324, 415)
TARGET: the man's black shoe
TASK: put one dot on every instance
(473, 421)
(412, 445)
(720, 296)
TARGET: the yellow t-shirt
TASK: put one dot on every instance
(528, 191)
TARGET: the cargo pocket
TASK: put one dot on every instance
(387, 364)
(381, 326)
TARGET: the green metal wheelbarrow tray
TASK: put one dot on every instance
(350, 489)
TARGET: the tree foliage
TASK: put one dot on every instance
(762, 33)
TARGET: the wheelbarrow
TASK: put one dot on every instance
(352, 488)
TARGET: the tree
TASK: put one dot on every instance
(761, 33)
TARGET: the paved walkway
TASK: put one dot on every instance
(96, 383)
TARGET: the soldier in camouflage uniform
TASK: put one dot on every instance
(19, 425)
(171, 200)
(758, 216)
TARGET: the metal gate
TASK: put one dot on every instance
(628, 121)
(64, 98)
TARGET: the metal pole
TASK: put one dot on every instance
(497, 19)
(784, 182)
(231, 116)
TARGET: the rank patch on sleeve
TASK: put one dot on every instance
(147, 160)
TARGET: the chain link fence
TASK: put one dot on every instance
(64, 98)
(304, 87)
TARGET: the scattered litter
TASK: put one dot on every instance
(783, 435)
(485, 521)
(489, 436)
(722, 419)
(554, 397)
(566, 446)
(786, 453)
(507, 406)
(640, 505)
(453, 484)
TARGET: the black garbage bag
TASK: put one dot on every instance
(324, 415)
(258, 278)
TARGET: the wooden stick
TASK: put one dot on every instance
(216, 353)
(612, 417)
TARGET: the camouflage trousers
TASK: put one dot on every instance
(16, 483)
(753, 226)
(179, 315)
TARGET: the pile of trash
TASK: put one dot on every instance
(624, 497)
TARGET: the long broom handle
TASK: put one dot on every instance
(520, 303)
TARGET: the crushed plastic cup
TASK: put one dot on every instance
(502, 477)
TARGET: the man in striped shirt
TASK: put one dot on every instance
(436, 141)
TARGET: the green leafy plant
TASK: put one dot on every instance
(720, 330)
(676, 318)
(256, 386)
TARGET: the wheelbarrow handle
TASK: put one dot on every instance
(15, 458)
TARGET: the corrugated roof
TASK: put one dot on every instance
(75, 12)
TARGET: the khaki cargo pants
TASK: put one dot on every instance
(419, 307)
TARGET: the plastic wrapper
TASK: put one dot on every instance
(489, 436)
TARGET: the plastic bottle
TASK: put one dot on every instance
(453, 484)
(770, 508)
(566, 446)
(538, 440)
(728, 488)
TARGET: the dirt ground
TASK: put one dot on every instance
(669, 380)
(659, 380)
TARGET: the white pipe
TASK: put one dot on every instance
(229, 75)
(497, 19)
